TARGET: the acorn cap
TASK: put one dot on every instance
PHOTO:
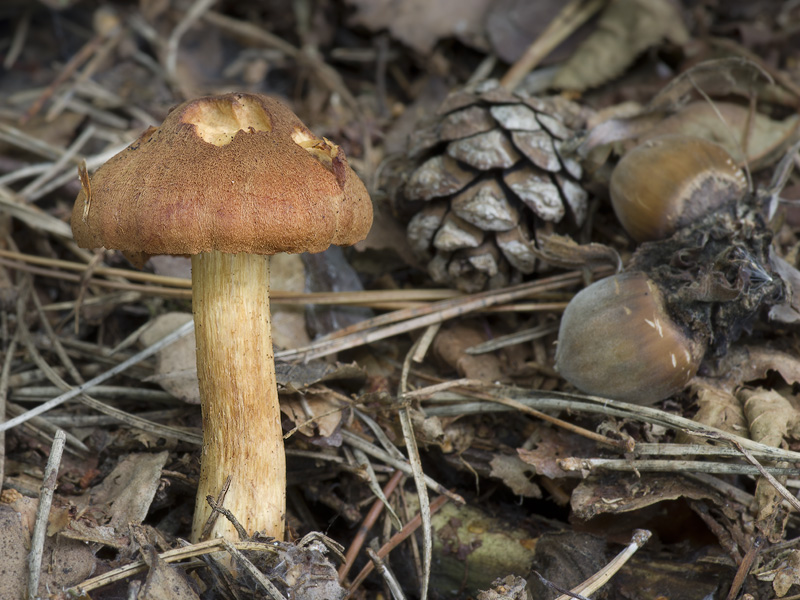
(233, 173)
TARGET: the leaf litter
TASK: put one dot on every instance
(505, 454)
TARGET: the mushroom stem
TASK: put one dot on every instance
(242, 436)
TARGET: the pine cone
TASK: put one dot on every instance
(492, 177)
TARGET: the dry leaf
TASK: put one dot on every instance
(625, 29)
(317, 412)
(789, 311)
(552, 445)
(516, 474)
(564, 252)
(613, 495)
(450, 346)
(420, 24)
(717, 407)
(14, 547)
(728, 124)
(287, 273)
(164, 582)
(750, 362)
(513, 25)
(296, 377)
(176, 366)
(65, 562)
(786, 574)
(127, 492)
(769, 414)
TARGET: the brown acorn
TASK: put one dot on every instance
(668, 182)
(617, 340)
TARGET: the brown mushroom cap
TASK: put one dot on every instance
(233, 173)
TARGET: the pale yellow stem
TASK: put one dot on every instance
(242, 436)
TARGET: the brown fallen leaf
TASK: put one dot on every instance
(717, 406)
(164, 582)
(317, 413)
(420, 24)
(551, 445)
(771, 417)
(783, 572)
(176, 366)
(728, 125)
(516, 474)
(564, 252)
(614, 495)
(625, 29)
(126, 493)
(750, 362)
(451, 344)
(67, 562)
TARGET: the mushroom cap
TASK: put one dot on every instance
(233, 173)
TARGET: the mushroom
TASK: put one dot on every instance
(229, 180)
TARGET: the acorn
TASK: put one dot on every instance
(618, 341)
(670, 181)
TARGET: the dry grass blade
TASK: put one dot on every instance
(366, 298)
(766, 473)
(34, 218)
(358, 442)
(430, 315)
(195, 12)
(372, 481)
(417, 353)
(388, 577)
(137, 358)
(251, 570)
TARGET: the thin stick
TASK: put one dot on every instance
(614, 408)
(395, 541)
(599, 579)
(169, 556)
(744, 568)
(667, 466)
(366, 525)
(182, 331)
(28, 191)
(17, 43)
(42, 513)
(591, 435)
(765, 471)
